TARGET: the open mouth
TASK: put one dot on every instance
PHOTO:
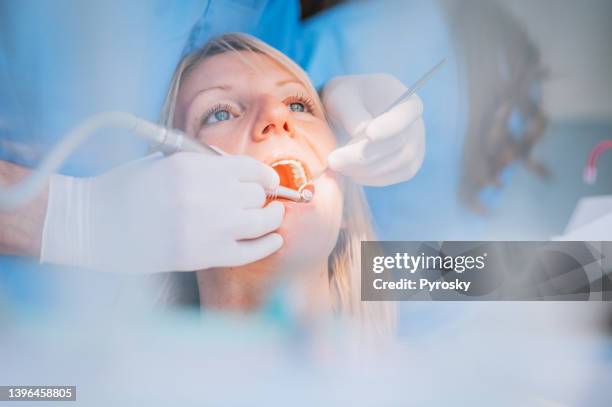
(293, 174)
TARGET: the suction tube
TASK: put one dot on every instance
(17, 195)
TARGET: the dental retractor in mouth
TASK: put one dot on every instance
(295, 181)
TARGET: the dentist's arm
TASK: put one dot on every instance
(382, 150)
(180, 213)
(21, 229)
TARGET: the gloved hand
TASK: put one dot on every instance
(179, 213)
(383, 150)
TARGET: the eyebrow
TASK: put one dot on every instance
(222, 87)
(286, 81)
(216, 87)
(228, 87)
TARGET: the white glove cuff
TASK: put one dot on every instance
(65, 238)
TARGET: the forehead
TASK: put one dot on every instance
(241, 67)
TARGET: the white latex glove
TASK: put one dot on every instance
(179, 213)
(384, 150)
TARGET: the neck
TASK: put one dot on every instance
(245, 289)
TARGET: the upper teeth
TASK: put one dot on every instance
(298, 171)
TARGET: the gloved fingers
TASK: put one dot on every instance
(248, 169)
(249, 251)
(400, 168)
(387, 146)
(250, 195)
(345, 107)
(258, 222)
(156, 156)
(396, 120)
(351, 155)
(136, 166)
(388, 169)
(363, 153)
(411, 138)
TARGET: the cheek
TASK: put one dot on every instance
(310, 233)
(229, 137)
(318, 136)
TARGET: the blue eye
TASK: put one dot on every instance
(222, 115)
(297, 107)
(217, 114)
(300, 103)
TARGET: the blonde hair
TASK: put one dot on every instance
(377, 318)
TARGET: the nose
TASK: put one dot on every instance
(273, 118)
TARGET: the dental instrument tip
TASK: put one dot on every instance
(415, 87)
(286, 193)
(307, 195)
(304, 196)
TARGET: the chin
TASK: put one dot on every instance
(310, 230)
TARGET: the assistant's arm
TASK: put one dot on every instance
(21, 228)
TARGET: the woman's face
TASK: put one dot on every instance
(245, 103)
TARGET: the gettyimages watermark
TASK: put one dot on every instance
(486, 271)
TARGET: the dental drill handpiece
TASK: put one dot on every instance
(175, 141)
